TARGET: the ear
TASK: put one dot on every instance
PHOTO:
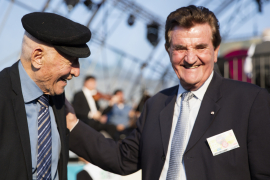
(216, 53)
(37, 57)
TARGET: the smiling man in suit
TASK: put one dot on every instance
(171, 139)
(33, 133)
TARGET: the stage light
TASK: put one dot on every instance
(152, 33)
(71, 4)
(131, 20)
(88, 4)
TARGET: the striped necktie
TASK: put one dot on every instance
(179, 139)
(44, 157)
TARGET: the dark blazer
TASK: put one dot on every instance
(83, 175)
(15, 151)
(242, 107)
(81, 105)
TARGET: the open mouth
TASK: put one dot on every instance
(191, 67)
(62, 79)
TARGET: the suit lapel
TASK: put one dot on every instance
(57, 105)
(204, 117)
(20, 116)
(166, 117)
(58, 112)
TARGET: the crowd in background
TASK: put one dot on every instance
(116, 120)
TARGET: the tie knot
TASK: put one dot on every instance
(44, 100)
(186, 96)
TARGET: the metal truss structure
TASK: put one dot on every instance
(240, 12)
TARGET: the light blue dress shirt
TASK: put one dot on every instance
(31, 92)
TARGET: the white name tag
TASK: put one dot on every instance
(222, 142)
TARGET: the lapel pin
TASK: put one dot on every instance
(212, 112)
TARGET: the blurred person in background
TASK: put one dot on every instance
(171, 138)
(86, 107)
(88, 110)
(119, 113)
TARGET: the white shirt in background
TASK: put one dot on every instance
(90, 100)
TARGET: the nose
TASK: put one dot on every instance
(75, 69)
(191, 57)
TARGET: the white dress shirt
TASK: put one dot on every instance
(90, 100)
(194, 104)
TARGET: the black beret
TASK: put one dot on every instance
(63, 34)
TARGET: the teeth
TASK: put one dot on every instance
(192, 67)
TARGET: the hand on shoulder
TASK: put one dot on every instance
(70, 115)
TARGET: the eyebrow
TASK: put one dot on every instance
(199, 46)
(179, 47)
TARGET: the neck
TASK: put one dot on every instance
(27, 67)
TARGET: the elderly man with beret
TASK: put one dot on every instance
(33, 133)
(205, 128)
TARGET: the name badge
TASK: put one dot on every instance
(222, 142)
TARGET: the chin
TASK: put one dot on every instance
(191, 81)
(190, 84)
(58, 92)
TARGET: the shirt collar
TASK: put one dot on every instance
(89, 92)
(199, 93)
(30, 90)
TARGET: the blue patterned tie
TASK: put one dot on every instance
(44, 157)
(179, 139)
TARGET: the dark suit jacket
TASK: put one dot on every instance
(83, 175)
(242, 107)
(81, 106)
(15, 151)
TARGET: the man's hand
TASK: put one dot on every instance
(120, 127)
(70, 115)
(96, 115)
(114, 100)
(103, 119)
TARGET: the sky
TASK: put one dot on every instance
(118, 62)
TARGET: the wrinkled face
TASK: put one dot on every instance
(192, 54)
(55, 71)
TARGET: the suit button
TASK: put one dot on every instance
(163, 158)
